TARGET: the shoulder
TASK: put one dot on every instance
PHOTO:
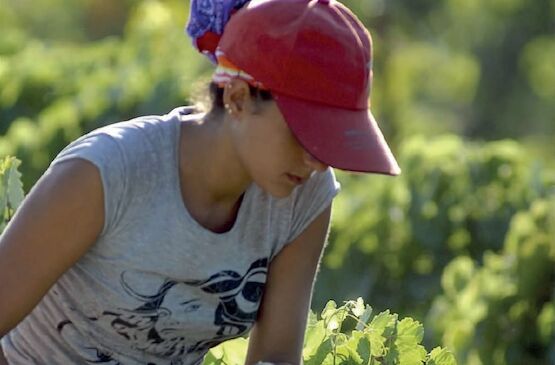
(149, 132)
(139, 130)
(131, 140)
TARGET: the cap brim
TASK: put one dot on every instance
(342, 138)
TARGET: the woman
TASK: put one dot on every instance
(152, 240)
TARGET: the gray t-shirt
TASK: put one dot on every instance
(157, 287)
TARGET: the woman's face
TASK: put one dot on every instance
(268, 150)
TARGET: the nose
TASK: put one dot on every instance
(313, 162)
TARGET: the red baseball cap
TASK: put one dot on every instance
(315, 57)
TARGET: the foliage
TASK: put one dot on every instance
(503, 311)
(468, 230)
(397, 234)
(45, 105)
(11, 189)
(483, 69)
(382, 340)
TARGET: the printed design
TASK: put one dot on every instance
(157, 326)
(239, 301)
(91, 355)
(207, 20)
(211, 15)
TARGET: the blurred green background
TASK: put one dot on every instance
(464, 90)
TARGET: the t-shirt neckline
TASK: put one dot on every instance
(183, 116)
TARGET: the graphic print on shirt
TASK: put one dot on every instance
(91, 355)
(155, 327)
(239, 299)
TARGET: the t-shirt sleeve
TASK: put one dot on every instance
(103, 151)
(310, 200)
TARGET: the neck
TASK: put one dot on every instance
(210, 170)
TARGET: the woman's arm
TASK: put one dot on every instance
(58, 221)
(278, 333)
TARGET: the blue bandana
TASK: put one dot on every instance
(207, 21)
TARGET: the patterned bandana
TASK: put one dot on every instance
(206, 25)
(207, 21)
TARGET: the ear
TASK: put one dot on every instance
(237, 98)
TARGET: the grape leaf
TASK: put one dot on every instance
(324, 349)
(363, 347)
(14, 185)
(314, 336)
(364, 318)
(441, 356)
(329, 310)
(409, 336)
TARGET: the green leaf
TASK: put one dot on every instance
(377, 344)
(364, 318)
(333, 316)
(14, 185)
(409, 336)
(236, 351)
(363, 347)
(11, 189)
(4, 163)
(211, 359)
(441, 356)
(232, 352)
(329, 310)
(376, 332)
(333, 324)
(324, 349)
(410, 331)
(381, 321)
(347, 354)
(315, 334)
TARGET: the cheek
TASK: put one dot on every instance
(268, 148)
(266, 157)
(267, 163)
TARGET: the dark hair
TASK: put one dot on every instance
(217, 96)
